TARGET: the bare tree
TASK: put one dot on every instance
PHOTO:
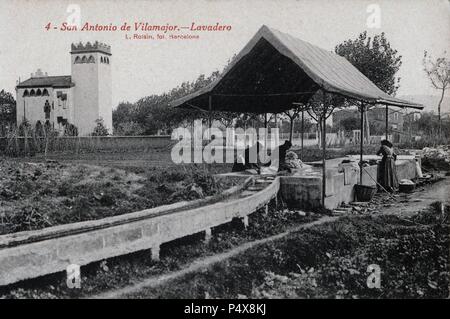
(438, 71)
(292, 114)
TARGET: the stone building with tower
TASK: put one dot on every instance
(79, 99)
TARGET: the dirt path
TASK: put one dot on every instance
(407, 204)
(419, 200)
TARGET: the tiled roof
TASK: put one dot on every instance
(48, 81)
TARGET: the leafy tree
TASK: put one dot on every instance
(438, 71)
(292, 114)
(227, 119)
(128, 128)
(124, 113)
(377, 127)
(350, 124)
(7, 109)
(320, 107)
(427, 125)
(375, 58)
(308, 126)
(153, 112)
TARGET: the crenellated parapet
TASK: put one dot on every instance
(91, 47)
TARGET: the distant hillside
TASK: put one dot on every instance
(430, 102)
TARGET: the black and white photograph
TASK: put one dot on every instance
(224, 153)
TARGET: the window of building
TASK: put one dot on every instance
(25, 93)
(32, 93)
(38, 92)
(64, 100)
(77, 59)
(91, 59)
(45, 92)
(58, 96)
(84, 59)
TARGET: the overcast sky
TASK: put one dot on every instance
(144, 67)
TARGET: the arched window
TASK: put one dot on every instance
(77, 59)
(101, 60)
(25, 93)
(84, 59)
(38, 92)
(107, 60)
(32, 93)
(45, 92)
(91, 59)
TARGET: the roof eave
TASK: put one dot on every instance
(401, 104)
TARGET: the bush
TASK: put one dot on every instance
(130, 128)
(100, 129)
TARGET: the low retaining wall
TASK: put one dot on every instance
(88, 143)
(305, 192)
(31, 254)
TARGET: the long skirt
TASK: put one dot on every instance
(387, 174)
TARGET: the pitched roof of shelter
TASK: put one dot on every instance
(276, 69)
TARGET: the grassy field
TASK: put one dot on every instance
(39, 194)
(331, 261)
(160, 158)
(137, 162)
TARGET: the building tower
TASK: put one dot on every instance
(91, 74)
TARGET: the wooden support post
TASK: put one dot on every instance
(266, 124)
(291, 132)
(210, 110)
(387, 122)
(361, 146)
(208, 235)
(155, 252)
(210, 115)
(324, 155)
(324, 152)
(303, 129)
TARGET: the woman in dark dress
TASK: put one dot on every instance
(387, 173)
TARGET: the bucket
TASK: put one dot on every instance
(364, 193)
(406, 188)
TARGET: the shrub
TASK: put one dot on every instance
(100, 129)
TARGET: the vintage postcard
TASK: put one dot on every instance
(224, 149)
